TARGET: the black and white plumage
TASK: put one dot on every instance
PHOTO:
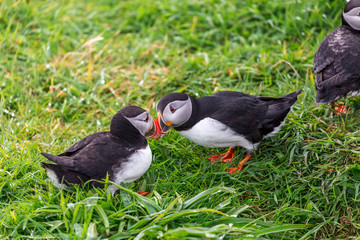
(224, 119)
(123, 153)
(337, 60)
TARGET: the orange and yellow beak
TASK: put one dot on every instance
(163, 127)
(154, 131)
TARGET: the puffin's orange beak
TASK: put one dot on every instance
(154, 131)
(162, 126)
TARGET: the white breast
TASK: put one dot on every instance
(212, 133)
(135, 167)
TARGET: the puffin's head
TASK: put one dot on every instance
(139, 118)
(351, 14)
(173, 110)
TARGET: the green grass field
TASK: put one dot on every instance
(66, 67)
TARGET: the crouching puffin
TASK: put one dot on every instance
(337, 60)
(224, 119)
(123, 153)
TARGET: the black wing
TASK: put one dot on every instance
(253, 116)
(337, 65)
(95, 155)
(82, 143)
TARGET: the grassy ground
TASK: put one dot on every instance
(66, 67)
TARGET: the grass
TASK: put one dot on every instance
(66, 67)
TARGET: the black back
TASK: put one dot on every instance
(337, 62)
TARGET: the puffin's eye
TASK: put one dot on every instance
(172, 109)
(359, 14)
(146, 119)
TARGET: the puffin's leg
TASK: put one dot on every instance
(225, 157)
(339, 108)
(240, 165)
(143, 193)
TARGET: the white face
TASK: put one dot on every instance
(142, 122)
(352, 17)
(177, 112)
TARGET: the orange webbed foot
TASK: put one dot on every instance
(240, 165)
(214, 158)
(234, 170)
(339, 108)
(225, 157)
(143, 193)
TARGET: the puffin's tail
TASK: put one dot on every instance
(293, 95)
(320, 99)
(336, 87)
(277, 111)
(62, 176)
(277, 107)
(274, 100)
(62, 160)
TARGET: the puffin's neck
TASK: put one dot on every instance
(122, 128)
(193, 118)
(344, 23)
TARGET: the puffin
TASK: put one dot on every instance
(121, 154)
(224, 119)
(337, 61)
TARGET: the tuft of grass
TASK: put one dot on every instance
(95, 215)
(66, 67)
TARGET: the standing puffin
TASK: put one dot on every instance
(337, 61)
(224, 119)
(123, 153)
